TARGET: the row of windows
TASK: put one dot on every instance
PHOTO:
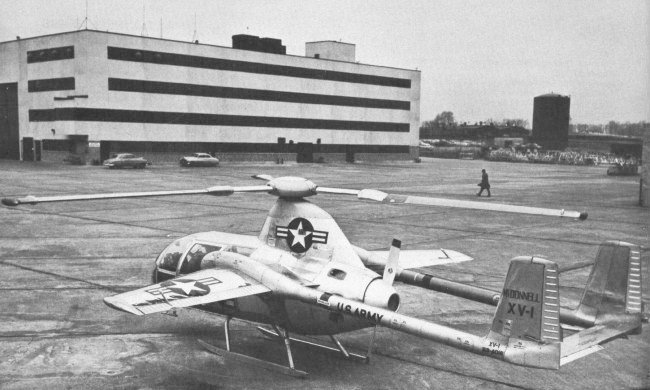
(58, 84)
(155, 57)
(52, 54)
(124, 54)
(143, 86)
(184, 118)
(214, 148)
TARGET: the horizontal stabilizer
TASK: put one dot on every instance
(590, 339)
(580, 354)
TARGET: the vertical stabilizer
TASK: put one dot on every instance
(614, 285)
(611, 305)
(529, 304)
(527, 319)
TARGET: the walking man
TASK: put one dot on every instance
(484, 184)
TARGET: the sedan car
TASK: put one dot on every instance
(199, 160)
(125, 160)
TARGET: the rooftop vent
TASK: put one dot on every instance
(255, 43)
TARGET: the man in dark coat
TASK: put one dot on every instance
(484, 184)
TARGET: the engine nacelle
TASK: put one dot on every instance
(359, 284)
(381, 294)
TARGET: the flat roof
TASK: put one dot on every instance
(205, 44)
(342, 43)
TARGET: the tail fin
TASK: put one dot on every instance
(529, 305)
(611, 304)
(527, 318)
(614, 285)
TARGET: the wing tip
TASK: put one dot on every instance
(121, 306)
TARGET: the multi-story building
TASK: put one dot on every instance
(93, 93)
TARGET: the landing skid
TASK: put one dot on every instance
(340, 349)
(282, 334)
(251, 360)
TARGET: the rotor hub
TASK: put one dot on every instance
(292, 187)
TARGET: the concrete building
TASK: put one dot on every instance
(93, 93)
(607, 143)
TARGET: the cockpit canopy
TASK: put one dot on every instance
(183, 256)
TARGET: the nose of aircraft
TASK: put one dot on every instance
(381, 294)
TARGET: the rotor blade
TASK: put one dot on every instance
(466, 204)
(215, 191)
(379, 196)
(330, 190)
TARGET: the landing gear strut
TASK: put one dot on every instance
(339, 347)
(291, 370)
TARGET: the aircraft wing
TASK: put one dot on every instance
(421, 258)
(198, 288)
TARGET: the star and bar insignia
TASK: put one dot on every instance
(300, 235)
(185, 287)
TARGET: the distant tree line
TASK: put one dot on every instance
(444, 123)
(612, 127)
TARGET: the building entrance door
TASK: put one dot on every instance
(305, 152)
(9, 136)
(28, 149)
(104, 150)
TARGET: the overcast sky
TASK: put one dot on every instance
(479, 59)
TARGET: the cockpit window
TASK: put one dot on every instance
(168, 259)
(192, 261)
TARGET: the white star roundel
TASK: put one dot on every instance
(300, 235)
(187, 287)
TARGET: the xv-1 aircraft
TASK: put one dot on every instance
(301, 275)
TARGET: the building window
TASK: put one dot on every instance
(53, 54)
(59, 84)
(124, 54)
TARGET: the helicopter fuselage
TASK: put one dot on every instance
(293, 315)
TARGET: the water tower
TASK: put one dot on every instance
(551, 121)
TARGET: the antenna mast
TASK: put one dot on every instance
(143, 33)
(85, 21)
(195, 37)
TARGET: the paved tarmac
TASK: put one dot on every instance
(57, 262)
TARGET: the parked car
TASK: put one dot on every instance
(625, 169)
(199, 160)
(125, 160)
